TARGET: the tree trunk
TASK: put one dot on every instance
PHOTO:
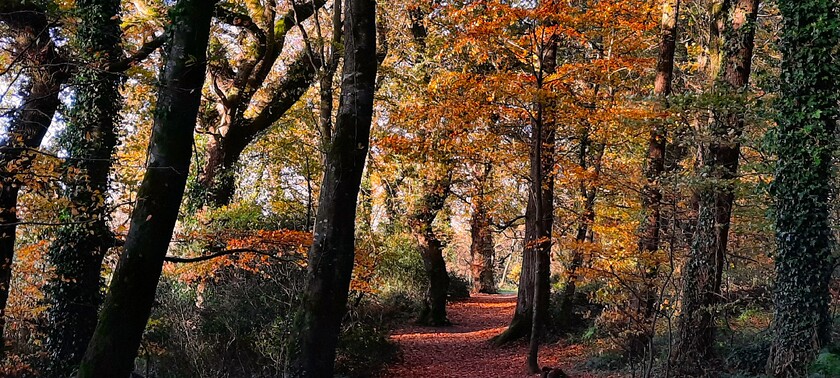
(590, 155)
(431, 249)
(76, 252)
(433, 311)
(482, 249)
(719, 163)
(806, 140)
(114, 345)
(332, 252)
(649, 232)
(533, 290)
(27, 126)
(520, 325)
(326, 78)
(567, 296)
(542, 189)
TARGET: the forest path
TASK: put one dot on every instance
(463, 350)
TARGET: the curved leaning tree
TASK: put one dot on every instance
(123, 318)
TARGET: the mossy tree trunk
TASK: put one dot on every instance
(79, 245)
(332, 252)
(123, 318)
(806, 141)
(719, 166)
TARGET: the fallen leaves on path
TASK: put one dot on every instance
(463, 350)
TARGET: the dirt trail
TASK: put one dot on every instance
(462, 350)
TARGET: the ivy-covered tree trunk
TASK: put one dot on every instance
(806, 140)
(649, 232)
(332, 252)
(719, 166)
(28, 124)
(482, 249)
(75, 293)
(115, 342)
(420, 222)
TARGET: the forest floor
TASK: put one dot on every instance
(463, 350)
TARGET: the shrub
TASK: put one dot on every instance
(827, 364)
(236, 325)
(749, 353)
(244, 322)
(364, 347)
(459, 287)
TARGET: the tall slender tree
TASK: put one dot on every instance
(533, 290)
(719, 157)
(543, 130)
(806, 141)
(333, 250)
(90, 136)
(123, 318)
(649, 232)
(47, 72)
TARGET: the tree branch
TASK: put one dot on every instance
(147, 49)
(240, 20)
(507, 224)
(175, 259)
(300, 76)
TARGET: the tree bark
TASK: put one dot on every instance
(539, 218)
(482, 249)
(123, 318)
(719, 163)
(332, 252)
(90, 137)
(649, 232)
(520, 324)
(27, 126)
(806, 141)
(420, 221)
(542, 189)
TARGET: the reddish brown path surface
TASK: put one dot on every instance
(462, 350)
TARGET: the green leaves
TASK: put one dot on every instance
(805, 143)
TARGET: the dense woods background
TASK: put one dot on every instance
(214, 188)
